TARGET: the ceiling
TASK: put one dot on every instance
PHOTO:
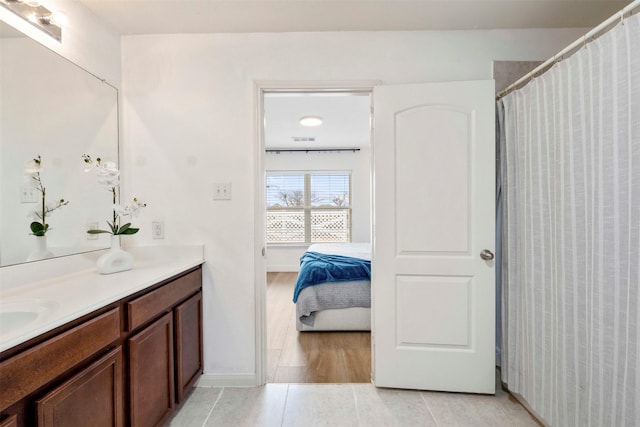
(345, 120)
(245, 16)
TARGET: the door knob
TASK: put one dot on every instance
(486, 255)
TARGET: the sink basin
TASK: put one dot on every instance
(10, 320)
(18, 314)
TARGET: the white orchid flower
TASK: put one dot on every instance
(129, 209)
(108, 181)
(89, 163)
(120, 210)
(106, 171)
(135, 207)
(33, 166)
(110, 166)
(108, 174)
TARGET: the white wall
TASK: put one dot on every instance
(287, 258)
(189, 122)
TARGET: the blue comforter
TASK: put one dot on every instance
(316, 268)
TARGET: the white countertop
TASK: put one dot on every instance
(66, 297)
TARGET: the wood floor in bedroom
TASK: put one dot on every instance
(310, 357)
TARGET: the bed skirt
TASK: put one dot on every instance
(340, 319)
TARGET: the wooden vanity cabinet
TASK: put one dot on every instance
(129, 364)
(163, 350)
(95, 394)
(40, 369)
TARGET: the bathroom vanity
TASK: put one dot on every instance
(113, 350)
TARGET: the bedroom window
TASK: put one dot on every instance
(308, 207)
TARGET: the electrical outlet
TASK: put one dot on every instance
(222, 191)
(157, 229)
(92, 226)
(29, 194)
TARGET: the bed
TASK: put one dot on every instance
(340, 305)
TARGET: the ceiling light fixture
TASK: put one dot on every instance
(311, 121)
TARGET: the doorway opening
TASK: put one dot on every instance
(434, 215)
(316, 190)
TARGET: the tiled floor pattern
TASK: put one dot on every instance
(346, 405)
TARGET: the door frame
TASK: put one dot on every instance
(260, 87)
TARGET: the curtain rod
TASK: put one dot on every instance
(596, 32)
(309, 150)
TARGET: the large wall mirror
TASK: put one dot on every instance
(52, 108)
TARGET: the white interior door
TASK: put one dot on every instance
(433, 293)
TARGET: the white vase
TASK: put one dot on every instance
(40, 251)
(115, 259)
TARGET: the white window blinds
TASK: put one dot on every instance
(308, 207)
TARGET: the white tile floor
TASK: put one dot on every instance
(346, 405)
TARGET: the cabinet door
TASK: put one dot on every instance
(11, 421)
(188, 325)
(151, 373)
(92, 397)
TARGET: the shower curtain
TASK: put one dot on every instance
(570, 169)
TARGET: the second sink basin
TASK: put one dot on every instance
(17, 314)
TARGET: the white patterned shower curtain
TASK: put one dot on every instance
(570, 166)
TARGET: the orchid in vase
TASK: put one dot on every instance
(108, 176)
(32, 171)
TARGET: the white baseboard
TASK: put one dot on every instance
(283, 268)
(219, 380)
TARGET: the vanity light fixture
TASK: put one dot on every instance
(57, 19)
(38, 15)
(311, 121)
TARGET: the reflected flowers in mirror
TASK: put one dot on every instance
(32, 171)
(108, 176)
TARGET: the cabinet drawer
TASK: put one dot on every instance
(145, 308)
(33, 368)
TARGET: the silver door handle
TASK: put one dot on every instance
(486, 255)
